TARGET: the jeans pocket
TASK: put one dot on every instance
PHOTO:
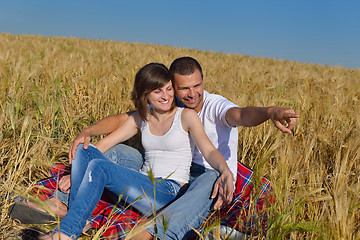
(173, 186)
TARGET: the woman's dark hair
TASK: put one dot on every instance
(149, 78)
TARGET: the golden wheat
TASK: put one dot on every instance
(52, 88)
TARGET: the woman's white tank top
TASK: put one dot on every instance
(170, 155)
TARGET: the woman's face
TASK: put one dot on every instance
(161, 99)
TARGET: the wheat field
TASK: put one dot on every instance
(51, 88)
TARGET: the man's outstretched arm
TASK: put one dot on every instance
(283, 118)
(104, 126)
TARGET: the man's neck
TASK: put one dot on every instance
(201, 104)
(199, 107)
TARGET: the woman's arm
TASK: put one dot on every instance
(224, 185)
(104, 126)
(127, 130)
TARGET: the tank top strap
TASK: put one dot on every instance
(177, 117)
(176, 121)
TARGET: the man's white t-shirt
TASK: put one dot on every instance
(221, 134)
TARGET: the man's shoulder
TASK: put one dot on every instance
(215, 108)
(212, 98)
(212, 95)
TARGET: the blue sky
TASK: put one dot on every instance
(309, 31)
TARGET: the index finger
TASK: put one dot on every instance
(291, 115)
(229, 198)
(216, 190)
(71, 152)
(281, 127)
(291, 123)
(73, 147)
(219, 202)
(86, 143)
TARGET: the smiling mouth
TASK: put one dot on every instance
(191, 100)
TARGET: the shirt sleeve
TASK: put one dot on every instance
(220, 106)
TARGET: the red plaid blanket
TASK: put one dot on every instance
(239, 214)
(118, 222)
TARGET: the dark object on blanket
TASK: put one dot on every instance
(30, 234)
(28, 215)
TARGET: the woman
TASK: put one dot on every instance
(166, 131)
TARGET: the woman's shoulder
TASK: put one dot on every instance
(134, 114)
(135, 117)
(188, 118)
(188, 112)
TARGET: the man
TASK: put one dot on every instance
(220, 118)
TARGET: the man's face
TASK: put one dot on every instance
(189, 89)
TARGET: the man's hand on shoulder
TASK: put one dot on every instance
(283, 118)
(223, 189)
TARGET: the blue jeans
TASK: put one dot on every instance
(186, 212)
(92, 172)
(190, 210)
(120, 154)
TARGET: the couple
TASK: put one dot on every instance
(166, 131)
(219, 117)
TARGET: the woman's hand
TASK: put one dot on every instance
(223, 189)
(65, 184)
(84, 137)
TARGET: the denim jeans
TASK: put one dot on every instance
(120, 154)
(92, 172)
(190, 210)
(186, 212)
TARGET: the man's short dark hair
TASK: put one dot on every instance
(184, 66)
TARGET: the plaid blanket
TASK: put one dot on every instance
(117, 222)
(247, 212)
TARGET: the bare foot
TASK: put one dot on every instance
(143, 235)
(54, 236)
(87, 226)
(54, 204)
(61, 236)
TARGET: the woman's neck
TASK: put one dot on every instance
(160, 123)
(161, 115)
